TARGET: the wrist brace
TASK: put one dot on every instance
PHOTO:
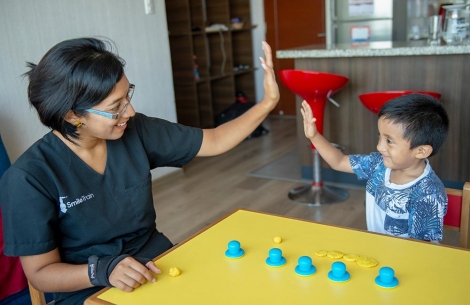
(99, 269)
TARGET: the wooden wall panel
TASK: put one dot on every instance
(197, 13)
(182, 66)
(177, 16)
(187, 105)
(242, 52)
(217, 12)
(291, 24)
(223, 93)
(206, 113)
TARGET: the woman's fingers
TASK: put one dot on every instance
(153, 268)
(130, 274)
(267, 54)
(271, 89)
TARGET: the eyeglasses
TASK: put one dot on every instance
(121, 108)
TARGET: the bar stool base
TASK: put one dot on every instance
(318, 195)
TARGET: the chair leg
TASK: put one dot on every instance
(465, 218)
(317, 194)
(37, 297)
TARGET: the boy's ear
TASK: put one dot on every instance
(423, 151)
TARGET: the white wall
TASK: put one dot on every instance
(29, 28)
(259, 35)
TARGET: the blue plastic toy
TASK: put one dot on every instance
(386, 278)
(234, 250)
(305, 267)
(338, 272)
(275, 258)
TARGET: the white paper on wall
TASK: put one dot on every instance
(361, 7)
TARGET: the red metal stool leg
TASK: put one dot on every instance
(317, 193)
(315, 88)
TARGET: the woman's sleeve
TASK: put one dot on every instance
(29, 214)
(167, 143)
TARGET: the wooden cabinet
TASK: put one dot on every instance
(210, 64)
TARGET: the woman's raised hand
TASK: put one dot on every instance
(271, 90)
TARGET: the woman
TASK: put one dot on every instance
(77, 205)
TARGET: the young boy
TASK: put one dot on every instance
(404, 197)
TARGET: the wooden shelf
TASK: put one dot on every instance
(245, 28)
(200, 100)
(215, 77)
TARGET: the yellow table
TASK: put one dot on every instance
(427, 273)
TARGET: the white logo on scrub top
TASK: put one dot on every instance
(63, 207)
(70, 204)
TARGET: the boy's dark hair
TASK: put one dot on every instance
(75, 75)
(423, 117)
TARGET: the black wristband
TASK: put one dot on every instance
(92, 264)
(99, 269)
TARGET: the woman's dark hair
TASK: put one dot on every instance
(423, 117)
(75, 75)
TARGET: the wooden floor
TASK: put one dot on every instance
(210, 188)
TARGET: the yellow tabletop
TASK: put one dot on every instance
(427, 273)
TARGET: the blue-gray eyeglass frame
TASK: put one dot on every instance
(115, 116)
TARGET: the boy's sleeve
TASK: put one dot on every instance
(364, 166)
(427, 216)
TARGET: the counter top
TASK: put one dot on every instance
(372, 49)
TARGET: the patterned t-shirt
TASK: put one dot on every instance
(415, 209)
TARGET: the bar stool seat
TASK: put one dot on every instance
(375, 100)
(315, 88)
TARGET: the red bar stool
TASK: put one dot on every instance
(375, 100)
(316, 88)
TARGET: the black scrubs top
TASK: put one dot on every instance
(51, 198)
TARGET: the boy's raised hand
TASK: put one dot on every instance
(309, 121)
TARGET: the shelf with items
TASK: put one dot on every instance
(215, 77)
(245, 82)
(211, 60)
(200, 58)
(220, 60)
(242, 51)
(244, 29)
(243, 62)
